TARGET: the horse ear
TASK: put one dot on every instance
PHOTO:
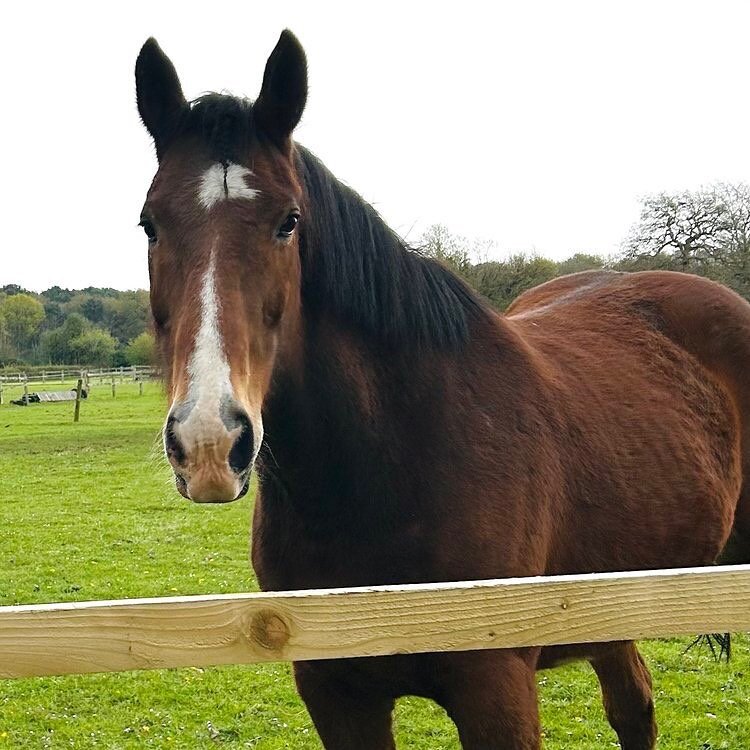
(159, 93)
(283, 94)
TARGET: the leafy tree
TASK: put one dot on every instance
(90, 306)
(94, 347)
(22, 316)
(93, 309)
(580, 262)
(127, 315)
(74, 325)
(54, 316)
(502, 281)
(11, 289)
(102, 291)
(53, 350)
(451, 250)
(142, 349)
(56, 344)
(57, 294)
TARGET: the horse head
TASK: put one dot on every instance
(221, 218)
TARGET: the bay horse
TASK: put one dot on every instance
(403, 431)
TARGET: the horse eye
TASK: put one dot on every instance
(148, 228)
(288, 225)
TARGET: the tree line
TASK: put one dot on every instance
(94, 326)
(705, 231)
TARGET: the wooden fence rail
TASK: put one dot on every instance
(112, 636)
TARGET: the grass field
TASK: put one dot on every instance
(88, 511)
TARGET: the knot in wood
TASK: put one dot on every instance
(269, 630)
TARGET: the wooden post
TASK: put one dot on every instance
(140, 388)
(26, 392)
(77, 411)
(113, 386)
(1, 392)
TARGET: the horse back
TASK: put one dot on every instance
(706, 320)
(650, 371)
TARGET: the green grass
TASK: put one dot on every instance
(88, 511)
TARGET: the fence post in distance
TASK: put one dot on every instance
(77, 411)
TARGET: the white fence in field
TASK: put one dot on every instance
(68, 373)
(47, 379)
(200, 631)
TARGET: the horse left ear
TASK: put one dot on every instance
(283, 94)
(160, 98)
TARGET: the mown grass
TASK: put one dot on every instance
(88, 511)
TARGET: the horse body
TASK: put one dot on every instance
(574, 435)
(581, 435)
(699, 344)
(404, 431)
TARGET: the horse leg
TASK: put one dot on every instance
(491, 697)
(626, 690)
(345, 718)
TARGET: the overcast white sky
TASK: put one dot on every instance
(538, 124)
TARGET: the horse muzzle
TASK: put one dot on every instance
(211, 457)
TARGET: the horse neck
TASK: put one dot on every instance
(345, 425)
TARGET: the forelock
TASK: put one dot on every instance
(224, 123)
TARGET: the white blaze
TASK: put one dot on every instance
(209, 382)
(220, 183)
(208, 369)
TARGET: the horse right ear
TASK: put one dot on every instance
(282, 97)
(159, 94)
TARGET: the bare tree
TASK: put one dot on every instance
(705, 231)
(682, 230)
(736, 201)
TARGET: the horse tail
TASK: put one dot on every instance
(735, 552)
(720, 644)
(717, 332)
(737, 549)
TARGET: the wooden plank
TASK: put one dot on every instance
(111, 636)
(54, 396)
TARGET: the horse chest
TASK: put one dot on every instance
(287, 555)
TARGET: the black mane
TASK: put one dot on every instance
(357, 266)
(353, 264)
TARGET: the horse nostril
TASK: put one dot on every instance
(242, 451)
(172, 445)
